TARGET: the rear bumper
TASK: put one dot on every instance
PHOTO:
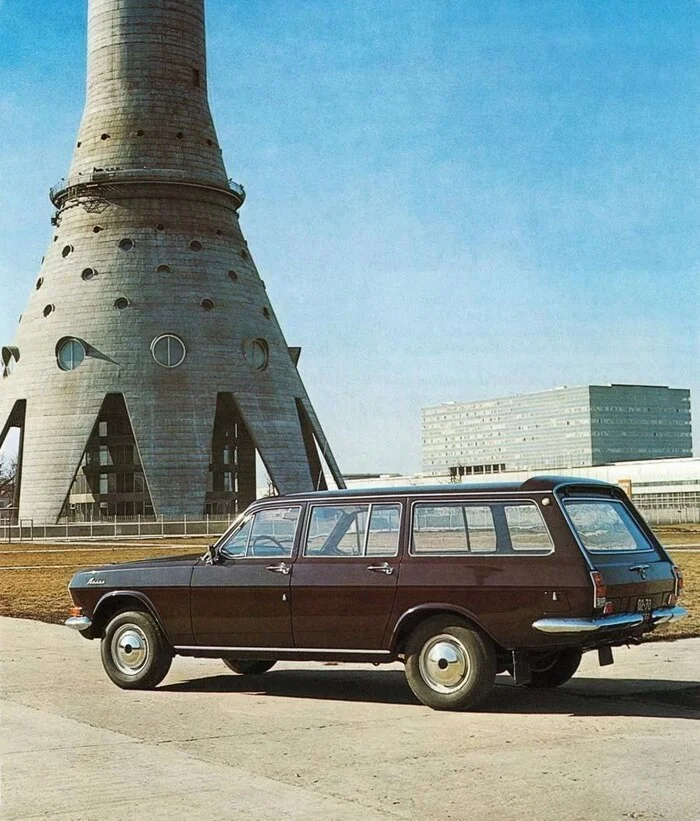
(78, 623)
(622, 621)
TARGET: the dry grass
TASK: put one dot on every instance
(40, 592)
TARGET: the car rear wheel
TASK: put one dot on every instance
(554, 669)
(135, 653)
(249, 667)
(450, 665)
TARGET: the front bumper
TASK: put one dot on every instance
(606, 624)
(78, 622)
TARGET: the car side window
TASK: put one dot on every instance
(383, 533)
(273, 532)
(336, 530)
(453, 529)
(528, 532)
(462, 529)
(237, 542)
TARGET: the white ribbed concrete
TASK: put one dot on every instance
(165, 187)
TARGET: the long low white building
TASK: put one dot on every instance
(667, 490)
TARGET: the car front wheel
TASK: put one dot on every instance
(450, 665)
(249, 667)
(135, 653)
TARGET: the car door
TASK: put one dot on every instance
(243, 599)
(345, 576)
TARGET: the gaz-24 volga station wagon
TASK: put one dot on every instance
(457, 582)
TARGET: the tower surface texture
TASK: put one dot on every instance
(149, 366)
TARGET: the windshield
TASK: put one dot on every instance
(605, 527)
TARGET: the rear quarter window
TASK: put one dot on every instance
(605, 526)
(463, 529)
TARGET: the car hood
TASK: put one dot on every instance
(165, 563)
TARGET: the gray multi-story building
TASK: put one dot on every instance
(149, 367)
(555, 429)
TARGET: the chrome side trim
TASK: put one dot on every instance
(78, 622)
(665, 615)
(281, 650)
(565, 625)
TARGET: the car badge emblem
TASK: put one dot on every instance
(92, 580)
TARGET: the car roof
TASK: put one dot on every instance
(536, 484)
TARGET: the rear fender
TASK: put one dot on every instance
(413, 617)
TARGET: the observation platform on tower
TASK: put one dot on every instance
(90, 184)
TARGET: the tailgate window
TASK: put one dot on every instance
(606, 527)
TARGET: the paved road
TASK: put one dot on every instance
(313, 741)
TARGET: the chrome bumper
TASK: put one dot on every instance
(78, 622)
(623, 621)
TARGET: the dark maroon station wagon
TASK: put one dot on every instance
(458, 582)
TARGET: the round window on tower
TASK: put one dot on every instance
(168, 350)
(70, 354)
(257, 353)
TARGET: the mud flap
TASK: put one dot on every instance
(522, 674)
(605, 656)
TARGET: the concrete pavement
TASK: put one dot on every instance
(314, 741)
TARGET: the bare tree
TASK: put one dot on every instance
(8, 480)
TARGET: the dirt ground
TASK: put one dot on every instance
(34, 576)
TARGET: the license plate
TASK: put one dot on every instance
(644, 605)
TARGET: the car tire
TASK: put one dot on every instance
(249, 667)
(135, 653)
(554, 670)
(450, 664)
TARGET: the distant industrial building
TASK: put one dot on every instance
(665, 490)
(557, 429)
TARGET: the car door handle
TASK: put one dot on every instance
(384, 567)
(280, 568)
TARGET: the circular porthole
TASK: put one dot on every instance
(48, 309)
(140, 133)
(244, 253)
(207, 304)
(160, 227)
(67, 249)
(122, 303)
(168, 350)
(105, 137)
(266, 313)
(179, 135)
(195, 245)
(70, 354)
(257, 353)
(39, 282)
(219, 232)
(163, 269)
(88, 274)
(233, 276)
(126, 244)
(97, 229)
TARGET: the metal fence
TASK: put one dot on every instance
(27, 530)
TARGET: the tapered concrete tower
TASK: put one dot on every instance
(149, 365)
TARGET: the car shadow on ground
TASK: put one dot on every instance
(581, 697)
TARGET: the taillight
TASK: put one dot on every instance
(678, 581)
(599, 591)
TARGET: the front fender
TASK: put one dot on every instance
(106, 602)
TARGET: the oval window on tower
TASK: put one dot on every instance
(168, 350)
(257, 353)
(70, 354)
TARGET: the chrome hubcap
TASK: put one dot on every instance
(444, 663)
(130, 649)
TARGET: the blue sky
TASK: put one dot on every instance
(447, 200)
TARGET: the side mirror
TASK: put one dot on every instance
(210, 557)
